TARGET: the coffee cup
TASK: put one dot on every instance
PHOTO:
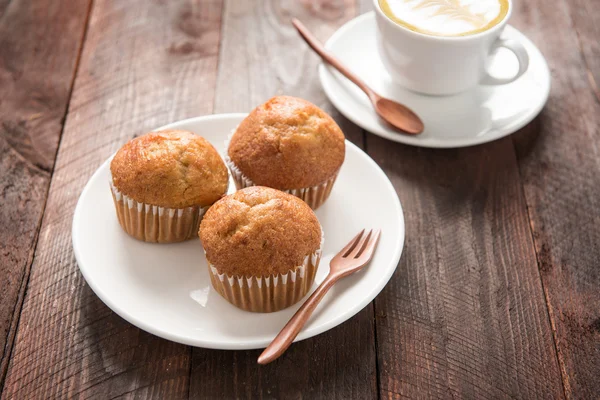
(428, 60)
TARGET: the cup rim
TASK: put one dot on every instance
(464, 38)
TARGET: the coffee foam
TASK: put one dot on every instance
(446, 17)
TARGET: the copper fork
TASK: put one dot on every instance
(350, 259)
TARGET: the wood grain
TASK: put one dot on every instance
(560, 167)
(586, 24)
(261, 56)
(39, 46)
(143, 64)
(464, 316)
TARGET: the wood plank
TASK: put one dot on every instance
(39, 46)
(143, 64)
(261, 56)
(560, 167)
(586, 23)
(464, 316)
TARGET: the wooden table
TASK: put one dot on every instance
(497, 294)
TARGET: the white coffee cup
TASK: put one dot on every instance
(443, 65)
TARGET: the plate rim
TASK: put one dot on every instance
(247, 344)
(325, 73)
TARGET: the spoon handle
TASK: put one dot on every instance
(289, 332)
(314, 43)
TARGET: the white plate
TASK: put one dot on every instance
(481, 115)
(165, 288)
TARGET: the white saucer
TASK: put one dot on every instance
(481, 115)
(165, 288)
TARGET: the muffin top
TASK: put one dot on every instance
(170, 168)
(287, 143)
(259, 231)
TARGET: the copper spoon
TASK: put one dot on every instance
(396, 114)
(350, 259)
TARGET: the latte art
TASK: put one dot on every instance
(446, 17)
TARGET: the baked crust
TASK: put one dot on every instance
(170, 168)
(287, 143)
(259, 231)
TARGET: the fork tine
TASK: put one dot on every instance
(364, 240)
(351, 244)
(369, 248)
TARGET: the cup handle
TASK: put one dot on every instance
(518, 50)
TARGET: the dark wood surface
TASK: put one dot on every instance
(39, 49)
(559, 165)
(466, 304)
(142, 65)
(497, 294)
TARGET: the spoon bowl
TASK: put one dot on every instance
(398, 115)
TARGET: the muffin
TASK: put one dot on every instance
(163, 182)
(263, 248)
(287, 144)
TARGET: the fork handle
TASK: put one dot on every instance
(289, 332)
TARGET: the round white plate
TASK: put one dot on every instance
(481, 115)
(165, 288)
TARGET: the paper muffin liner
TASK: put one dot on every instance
(156, 224)
(314, 196)
(267, 293)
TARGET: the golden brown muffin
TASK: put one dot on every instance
(287, 143)
(259, 231)
(263, 247)
(170, 168)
